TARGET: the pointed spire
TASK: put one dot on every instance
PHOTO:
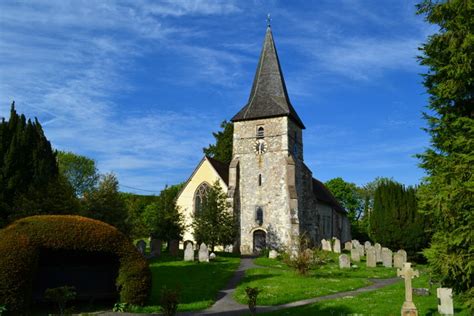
(268, 97)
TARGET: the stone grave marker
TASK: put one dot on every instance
(371, 260)
(326, 245)
(348, 245)
(361, 250)
(203, 253)
(421, 291)
(398, 260)
(355, 243)
(378, 252)
(387, 257)
(408, 307)
(355, 255)
(445, 301)
(367, 244)
(155, 247)
(404, 254)
(189, 252)
(141, 246)
(212, 256)
(174, 247)
(344, 261)
(337, 246)
(273, 254)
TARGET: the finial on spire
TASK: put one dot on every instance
(268, 19)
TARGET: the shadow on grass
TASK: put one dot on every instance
(312, 310)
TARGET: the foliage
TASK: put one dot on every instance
(80, 171)
(136, 205)
(22, 241)
(60, 295)
(304, 258)
(162, 218)
(215, 223)
(169, 300)
(3, 309)
(395, 221)
(222, 149)
(120, 307)
(252, 294)
(447, 192)
(29, 177)
(105, 203)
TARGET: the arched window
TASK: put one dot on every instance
(260, 132)
(199, 197)
(259, 216)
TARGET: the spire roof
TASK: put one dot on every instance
(268, 97)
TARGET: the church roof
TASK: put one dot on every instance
(324, 195)
(269, 97)
(221, 168)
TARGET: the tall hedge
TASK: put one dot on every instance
(20, 245)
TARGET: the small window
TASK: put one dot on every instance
(260, 132)
(259, 180)
(259, 216)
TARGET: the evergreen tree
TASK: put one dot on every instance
(447, 192)
(222, 149)
(214, 224)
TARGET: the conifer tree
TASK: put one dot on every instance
(222, 149)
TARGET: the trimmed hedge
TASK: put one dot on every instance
(20, 245)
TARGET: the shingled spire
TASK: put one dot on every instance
(268, 97)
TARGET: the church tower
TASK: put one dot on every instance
(266, 172)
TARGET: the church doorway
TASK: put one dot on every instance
(259, 241)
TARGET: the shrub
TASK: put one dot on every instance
(60, 296)
(22, 241)
(169, 299)
(252, 294)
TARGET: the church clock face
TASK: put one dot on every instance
(260, 147)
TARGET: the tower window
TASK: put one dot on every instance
(259, 216)
(259, 180)
(260, 132)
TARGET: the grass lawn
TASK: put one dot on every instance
(199, 282)
(279, 284)
(386, 301)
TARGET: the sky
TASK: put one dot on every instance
(139, 86)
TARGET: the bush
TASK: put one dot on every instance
(22, 241)
(252, 294)
(60, 296)
(169, 299)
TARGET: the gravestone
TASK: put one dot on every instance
(212, 256)
(387, 257)
(174, 247)
(155, 247)
(337, 246)
(445, 301)
(371, 260)
(404, 254)
(421, 291)
(189, 252)
(326, 245)
(398, 260)
(378, 252)
(355, 255)
(361, 250)
(348, 245)
(408, 307)
(141, 246)
(203, 253)
(355, 243)
(273, 254)
(344, 261)
(367, 244)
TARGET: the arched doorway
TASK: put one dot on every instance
(259, 240)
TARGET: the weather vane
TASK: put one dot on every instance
(268, 19)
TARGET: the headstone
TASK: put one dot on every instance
(378, 252)
(203, 253)
(355, 255)
(404, 254)
(337, 246)
(445, 301)
(273, 254)
(398, 260)
(361, 250)
(326, 245)
(408, 308)
(155, 247)
(355, 243)
(174, 247)
(141, 246)
(367, 244)
(421, 291)
(189, 252)
(348, 245)
(371, 260)
(387, 257)
(344, 261)
(212, 256)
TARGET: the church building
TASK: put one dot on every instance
(269, 188)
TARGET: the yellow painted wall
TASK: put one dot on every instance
(185, 201)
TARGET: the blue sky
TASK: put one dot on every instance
(139, 86)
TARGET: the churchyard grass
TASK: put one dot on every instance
(385, 301)
(280, 284)
(198, 282)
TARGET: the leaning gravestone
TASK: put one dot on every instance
(344, 261)
(404, 254)
(445, 301)
(348, 245)
(398, 260)
(155, 247)
(378, 252)
(141, 246)
(189, 252)
(174, 247)
(355, 255)
(371, 260)
(337, 246)
(367, 244)
(203, 253)
(273, 254)
(387, 257)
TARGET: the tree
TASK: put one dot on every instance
(214, 224)
(222, 149)
(447, 191)
(105, 203)
(80, 171)
(162, 218)
(136, 205)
